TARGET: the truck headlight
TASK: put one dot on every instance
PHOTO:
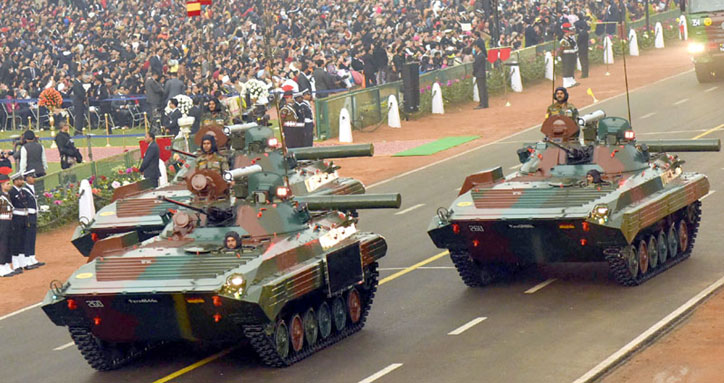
(696, 48)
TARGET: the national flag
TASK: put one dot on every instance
(205, 2)
(193, 8)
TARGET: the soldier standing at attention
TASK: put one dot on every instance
(292, 128)
(569, 52)
(305, 115)
(561, 106)
(32, 200)
(6, 218)
(20, 222)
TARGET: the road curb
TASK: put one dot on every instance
(649, 336)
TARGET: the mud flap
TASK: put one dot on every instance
(343, 269)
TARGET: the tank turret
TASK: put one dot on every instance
(339, 151)
(352, 202)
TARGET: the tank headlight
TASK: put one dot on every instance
(228, 176)
(600, 213)
(272, 142)
(234, 285)
(696, 48)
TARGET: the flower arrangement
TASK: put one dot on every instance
(257, 89)
(50, 98)
(184, 103)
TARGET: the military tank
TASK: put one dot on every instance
(602, 196)
(302, 277)
(137, 207)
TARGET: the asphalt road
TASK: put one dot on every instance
(553, 333)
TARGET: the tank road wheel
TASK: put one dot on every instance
(692, 212)
(673, 241)
(354, 305)
(296, 332)
(324, 320)
(653, 252)
(632, 260)
(339, 314)
(683, 237)
(311, 330)
(662, 247)
(281, 339)
(643, 254)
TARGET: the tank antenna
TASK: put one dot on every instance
(622, 28)
(268, 21)
(554, 57)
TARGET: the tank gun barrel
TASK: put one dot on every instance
(568, 151)
(238, 173)
(238, 128)
(339, 151)
(352, 202)
(705, 145)
(592, 117)
(184, 205)
(184, 153)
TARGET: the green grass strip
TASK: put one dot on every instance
(435, 146)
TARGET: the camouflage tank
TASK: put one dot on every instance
(137, 207)
(639, 210)
(301, 278)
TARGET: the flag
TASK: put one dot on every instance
(193, 8)
(205, 2)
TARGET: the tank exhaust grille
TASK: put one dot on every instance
(535, 198)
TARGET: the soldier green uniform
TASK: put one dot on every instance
(561, 106)
(211, 159)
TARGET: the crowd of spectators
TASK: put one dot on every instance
(328, 44)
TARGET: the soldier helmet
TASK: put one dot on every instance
(562, 89)
(596, 175)
(29, 173)
(235, 235)
(16, 176)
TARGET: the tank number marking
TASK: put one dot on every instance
(476, 228)
(94, 304)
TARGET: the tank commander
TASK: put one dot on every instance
(593, 178)
(209, 157)
(561, 106)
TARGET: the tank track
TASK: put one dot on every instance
(619, 270)
(103, 358)
(263, 343)
(472, 274)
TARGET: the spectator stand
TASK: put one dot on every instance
(368, 106)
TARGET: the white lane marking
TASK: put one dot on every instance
(63, 347)
(707, 194)
(515, 167)
(683, 100)
(647, 115)
(649, 334)
(419, 268)
(596, 105)
(381, 373)
(540, 286)
(466, 326)
(409, 209)
(20, 311)
(713, 88)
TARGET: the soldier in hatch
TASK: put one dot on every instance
(209, 157)
(561, 106)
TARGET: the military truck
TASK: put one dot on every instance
(705, 25)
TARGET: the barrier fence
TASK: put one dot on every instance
(369, 107)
